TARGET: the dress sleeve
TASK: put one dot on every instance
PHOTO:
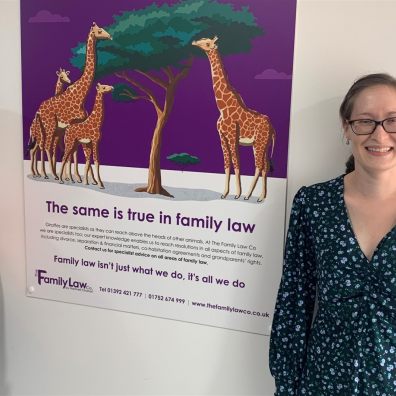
(295, 303)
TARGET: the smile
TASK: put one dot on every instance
(379, 149)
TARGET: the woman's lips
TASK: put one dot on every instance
(379, 150)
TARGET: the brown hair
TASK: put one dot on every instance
(349, 100)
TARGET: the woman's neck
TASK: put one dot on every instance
(371, 185)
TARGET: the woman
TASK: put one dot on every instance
(341, 247)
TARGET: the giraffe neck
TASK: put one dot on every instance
(95, 119)
(224, 93)
(81, 87)
(59, 87)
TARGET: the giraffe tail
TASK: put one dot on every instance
(32, 141)
(273, 135)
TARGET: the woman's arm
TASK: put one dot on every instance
(295, 302)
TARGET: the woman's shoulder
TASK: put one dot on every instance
(327, 186)
(320, 192)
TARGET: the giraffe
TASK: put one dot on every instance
(63, 75)
(61, 110)
(88, 133)
(36, 135)
(238, 125)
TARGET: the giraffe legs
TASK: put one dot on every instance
(253, 184)
(264, 191)
(69, 171)
(265, 168)
(33, 161)
(98, 175)
(67, 175)
(57, 141)
(37, 138)
(227, 183)
(69, 148)
(76, 173)
(261, 167)
(235, 163)
(37, 173)
(54, 147)
(238, 183)
(226, 155)
(62, 169)
(88, 168)
(49, 125)
(87, 152)
(96, 162)
(43, 172)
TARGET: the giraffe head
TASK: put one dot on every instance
(99, 33)
(104, 88)
(206, 44)
(63, 75)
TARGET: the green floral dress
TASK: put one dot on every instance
(350, 346)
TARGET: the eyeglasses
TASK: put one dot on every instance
(367, 126)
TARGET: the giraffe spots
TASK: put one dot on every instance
(228, 121)
(221, 104)
(232, 110)
(222, 87)
(230, 101)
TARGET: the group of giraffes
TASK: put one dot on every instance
(237, 124)
(64, 116)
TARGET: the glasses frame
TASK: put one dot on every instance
(376, 123)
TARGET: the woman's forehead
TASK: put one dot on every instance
(375, 98)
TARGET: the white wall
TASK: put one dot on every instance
(51, 348)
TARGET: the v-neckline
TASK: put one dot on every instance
(350, 224)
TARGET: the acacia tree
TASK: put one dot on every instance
(154, 44)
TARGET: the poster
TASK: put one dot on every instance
(155, 139)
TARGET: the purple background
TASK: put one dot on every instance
(191, 128)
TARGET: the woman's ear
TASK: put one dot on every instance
(346, 130)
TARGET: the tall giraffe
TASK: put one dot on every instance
(238, 125)
(63, 76)
(36, 135)
(88, 133)
(61, 110)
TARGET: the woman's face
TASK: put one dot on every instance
(375, 152)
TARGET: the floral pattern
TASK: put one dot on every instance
(349, 348)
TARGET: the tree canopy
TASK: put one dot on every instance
(158, 36)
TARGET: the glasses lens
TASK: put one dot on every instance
(365, 127)
(390, 125)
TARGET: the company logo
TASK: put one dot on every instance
(64, 283)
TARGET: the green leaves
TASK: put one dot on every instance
(183, 159)
(159, 36)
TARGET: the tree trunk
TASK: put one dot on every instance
(154, 185)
